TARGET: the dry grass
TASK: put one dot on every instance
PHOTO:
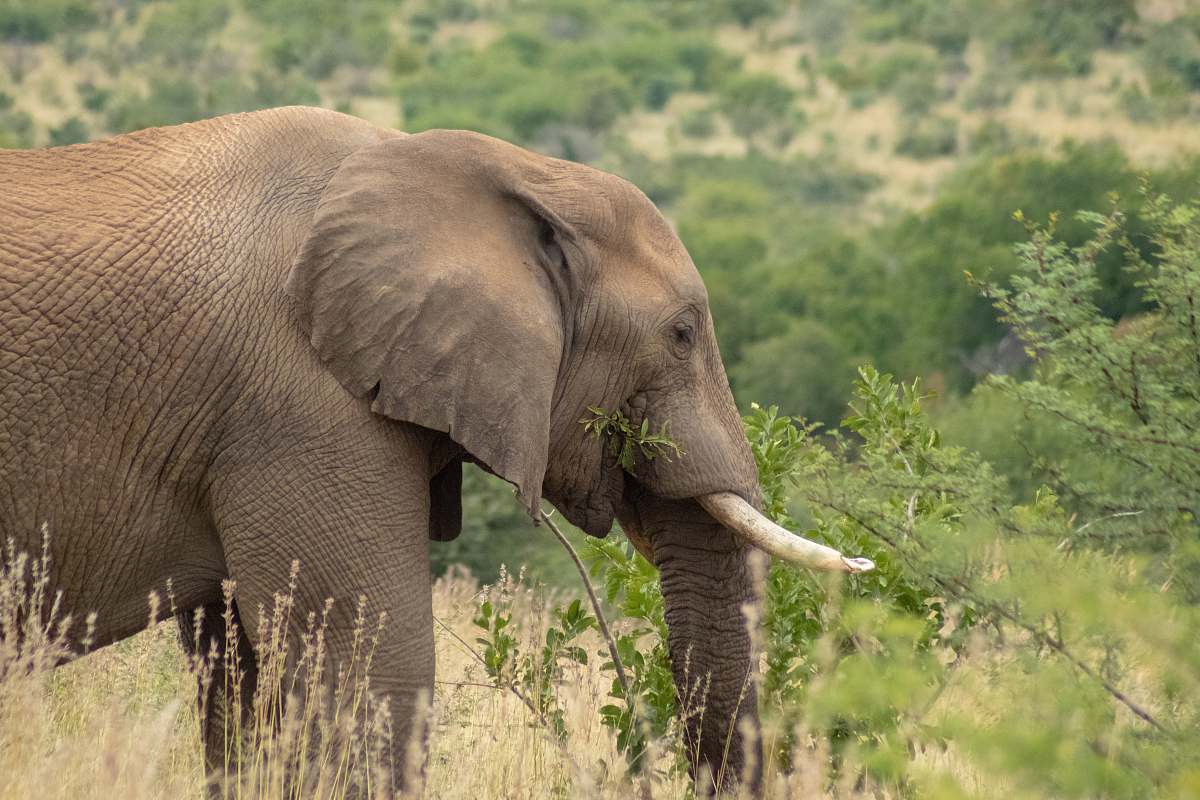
(121, 721)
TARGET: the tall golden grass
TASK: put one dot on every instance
(122, 721)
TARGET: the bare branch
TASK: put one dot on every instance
(601, 621)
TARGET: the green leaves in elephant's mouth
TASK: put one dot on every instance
(626, 441)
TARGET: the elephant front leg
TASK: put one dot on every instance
(227, 677)
(345, 645)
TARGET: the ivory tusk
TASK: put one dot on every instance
(739, 516)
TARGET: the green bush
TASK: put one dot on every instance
(911, 73)
(992, 90)
(970, 226)
(800, 368)
(94, 97)
(745, 12)
(1172, 58)
(16, 128)
(319, 35)
(404, 59)
(994, 138)
(421, 27)
(699, 123)
(1055, 37)
(928, 136)
(600, 97)
(851, 79)
(179, 32)
(1138, 105)
(651, 65)
(1175, 48)
(529, 108)
(756, 104)
(73, 131)
(454, 10)
(1129, 392)
(704, 59)
(169, 101)
(261, 89)
(39, 21)
(944, 24)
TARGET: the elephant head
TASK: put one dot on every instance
(474, 288)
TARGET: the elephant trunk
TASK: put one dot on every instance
(708, 585)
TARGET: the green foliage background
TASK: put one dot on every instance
(812, 266)
(836, 169)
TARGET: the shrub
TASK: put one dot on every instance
(404, 60)
(73, 131)
(698, 123)
(37, 22)
(601, 96)
(1057, 37)
(801, 368)
(529, 108)
(169, 101)
(1137, 105)
(755, 103)
(928, 137)
(704, 59)
(454, 10)
(16, 128)
(94, 97)
(1176, 48)
(745, 12)
(911, 73)
(421, 27)
(939, 318)
(992, 90)
(179, 32)
(1126, 389)
(944, 24)
(320, 35)
(993, 137)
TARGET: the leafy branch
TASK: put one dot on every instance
(533, 677)
(626, 442)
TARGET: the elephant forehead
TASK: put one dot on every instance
(636, 242)
(658, 262)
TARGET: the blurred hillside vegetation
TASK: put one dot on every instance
(832, 165)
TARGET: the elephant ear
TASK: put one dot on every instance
(432, 281)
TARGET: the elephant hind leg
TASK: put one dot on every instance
(226, 676)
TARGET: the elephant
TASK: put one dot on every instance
(280, 335)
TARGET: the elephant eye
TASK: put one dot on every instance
(683, 336)
(550, 247)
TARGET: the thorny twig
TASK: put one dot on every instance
(957, 587)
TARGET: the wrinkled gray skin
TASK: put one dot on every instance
(278, 335)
